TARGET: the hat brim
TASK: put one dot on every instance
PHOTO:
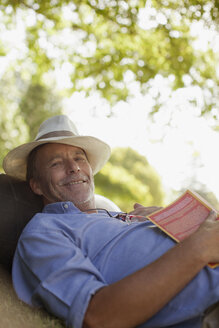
(97, 151)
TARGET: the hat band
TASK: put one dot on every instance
(56, 134)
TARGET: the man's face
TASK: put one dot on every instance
(64, 175)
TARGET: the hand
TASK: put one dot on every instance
(142, 210)
(208, 237)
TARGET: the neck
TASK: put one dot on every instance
(86, 206)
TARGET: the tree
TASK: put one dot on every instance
(23, 107)
(13, 131)
(128, 178)
(108, 47)
(102, 46)
(37, 104)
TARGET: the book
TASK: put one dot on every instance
(183, 216)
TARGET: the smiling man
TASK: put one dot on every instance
(66, 175)
(86, 265)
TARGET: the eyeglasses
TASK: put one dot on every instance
(120, 216)
(106, 211)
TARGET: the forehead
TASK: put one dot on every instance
(52, 149)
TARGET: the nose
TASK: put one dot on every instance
(73, 167)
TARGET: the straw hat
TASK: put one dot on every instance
(57, 129)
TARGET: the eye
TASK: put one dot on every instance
(56, 163)
(79, 158)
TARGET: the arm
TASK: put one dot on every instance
(49, 270)
(145, 292)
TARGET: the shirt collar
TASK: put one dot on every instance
(60, 207)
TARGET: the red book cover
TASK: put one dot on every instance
(183, 216)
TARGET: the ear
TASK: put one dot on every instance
(35, 186)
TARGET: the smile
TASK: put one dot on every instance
(70, 182)
(76, 182)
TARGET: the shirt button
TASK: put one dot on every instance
(65, 205)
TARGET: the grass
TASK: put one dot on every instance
(15, 314)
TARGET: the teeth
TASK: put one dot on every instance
(76, 182)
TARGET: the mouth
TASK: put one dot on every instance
(72, 182)
(76, 182)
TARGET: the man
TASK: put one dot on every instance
(91, 269)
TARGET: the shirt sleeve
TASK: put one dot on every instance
(50, 270)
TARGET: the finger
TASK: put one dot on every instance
(141, 210)
(213, 215)
(137, 205)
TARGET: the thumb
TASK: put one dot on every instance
(213, 215)
(137, 205)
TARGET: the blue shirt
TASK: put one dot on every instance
(64, 256)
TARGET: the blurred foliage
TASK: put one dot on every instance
(12, 131)
(210, 197)
(37, 104)
(194, 184)
(128, 178)
(23, 107)
(110, 43)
